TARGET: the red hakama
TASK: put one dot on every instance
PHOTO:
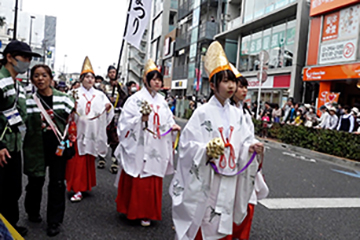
(139, 198)
(80, 172)
(242, 231)
(199, 236)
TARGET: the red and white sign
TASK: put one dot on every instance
(280, 81)
(336, 52)
(331, 26)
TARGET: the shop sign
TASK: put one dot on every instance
(254, 83)
(337, 72)
(343, 51)
(179, 84)
(342, 24)
(321, 6)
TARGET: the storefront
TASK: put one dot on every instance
(178, 87)
(333, 57)
(274, 90)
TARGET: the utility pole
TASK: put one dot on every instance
(15, 19)
(31, 19)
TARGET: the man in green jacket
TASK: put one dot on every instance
(16, 59)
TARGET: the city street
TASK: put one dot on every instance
(309, 199)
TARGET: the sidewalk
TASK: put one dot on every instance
(313, 154)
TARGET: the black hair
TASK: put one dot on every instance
(74, 83)
(82, 76)
(152, 74)
(243, 81)
(348, 108)
(45, 67)
(128, 84)
(99, 77)
(111, 67)
(219, 76)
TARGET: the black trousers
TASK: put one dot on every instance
(10, 188)
(56, 189)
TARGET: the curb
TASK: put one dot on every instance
(311, 153)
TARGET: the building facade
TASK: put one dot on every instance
(162, 27)
(278, 27)
(39, 31)
(133, 61)
(333, 55)
(198, 23)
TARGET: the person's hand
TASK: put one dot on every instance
(107, 107)
(145, 118)
(257, 147)
(112, 99)
(175, 128)
(3, 154)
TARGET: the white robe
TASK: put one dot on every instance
(140, 152)
(91, 134)
(200, 197)
(261, 189)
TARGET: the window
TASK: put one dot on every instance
(290, 43)
(244, 53)
(249, 11)
(255, 48)
(277, 46)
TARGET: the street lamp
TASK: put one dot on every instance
(31, 18)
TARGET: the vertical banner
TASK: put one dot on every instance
(138, 19)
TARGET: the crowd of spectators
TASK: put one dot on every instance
(333, 116)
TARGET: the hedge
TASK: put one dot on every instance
(341, 144)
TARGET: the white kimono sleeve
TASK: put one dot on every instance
(130, 151)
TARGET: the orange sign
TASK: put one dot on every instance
(336, 72)
(322, 6)
(331, 26)
(324, 89)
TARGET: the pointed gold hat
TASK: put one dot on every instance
(87, 68)
(150, 66)
(215, 59)
(235, 71)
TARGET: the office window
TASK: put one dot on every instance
(244, 53)
(255, 48)
(277, 46)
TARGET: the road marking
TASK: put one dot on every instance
(299, 157)
(356, 174)
(305, 203)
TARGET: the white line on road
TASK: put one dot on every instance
(299, 157)
(303, 203)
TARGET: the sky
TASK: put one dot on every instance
(92, 28)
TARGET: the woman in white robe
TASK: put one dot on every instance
(210, 193)
(145, 150)
(94, 113)
(261, 190)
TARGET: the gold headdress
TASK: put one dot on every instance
(150, 66)
(235, 71)
(87, 68)
(215, 59)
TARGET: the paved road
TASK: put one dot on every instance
(288, 176)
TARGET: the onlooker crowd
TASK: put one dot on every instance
(333, 116)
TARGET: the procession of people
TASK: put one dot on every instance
(218, 177)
